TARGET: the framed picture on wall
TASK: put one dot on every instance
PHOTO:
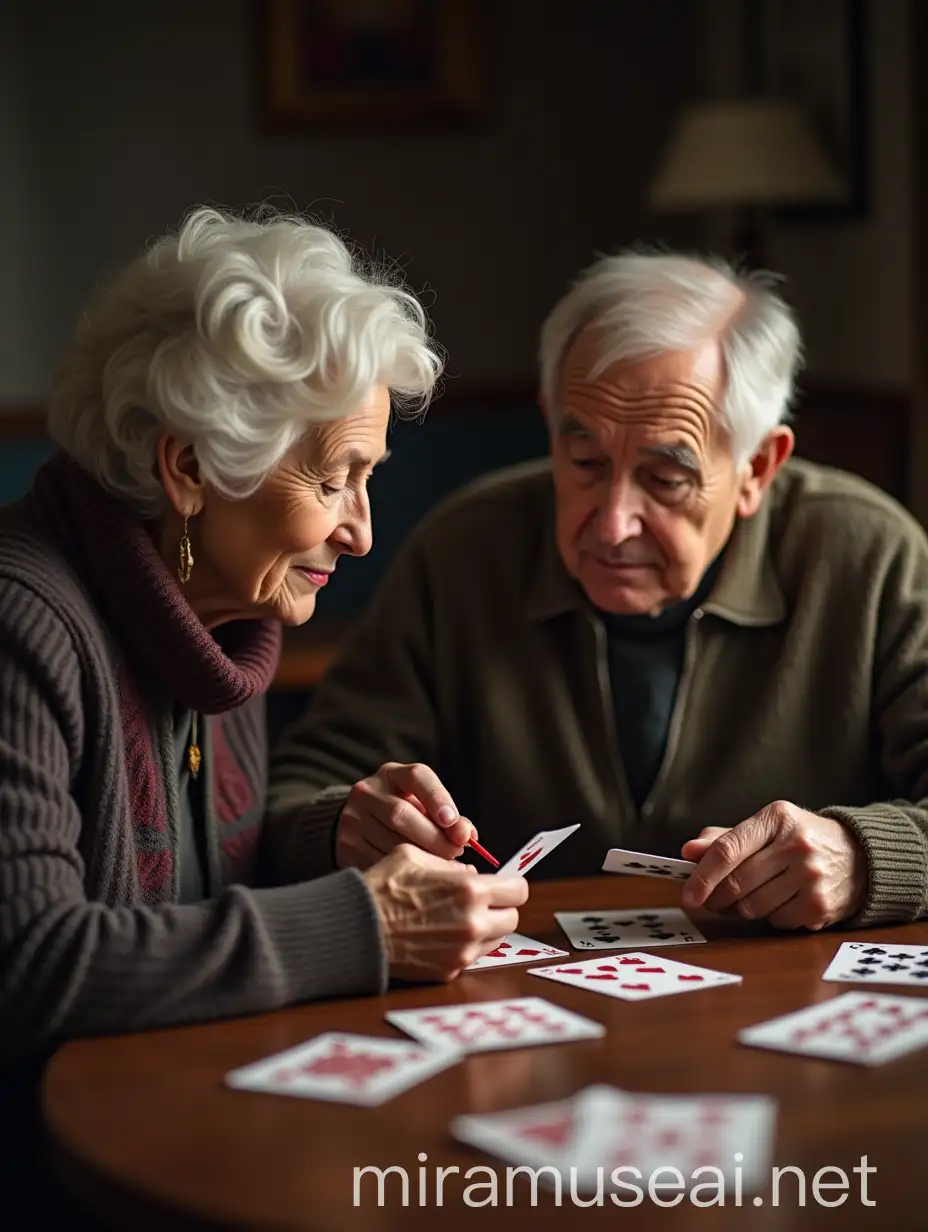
(814, 51)
(362, 64)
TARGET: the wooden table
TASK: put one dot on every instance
(147, 1136)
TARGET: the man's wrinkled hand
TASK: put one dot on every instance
(784, 865)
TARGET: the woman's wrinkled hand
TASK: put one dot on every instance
(439, 916)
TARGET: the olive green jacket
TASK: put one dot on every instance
(805, 679)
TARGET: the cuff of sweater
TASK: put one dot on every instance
(310, 829)
(328, 936)
(895, 851)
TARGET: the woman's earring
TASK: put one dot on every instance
(186, 556)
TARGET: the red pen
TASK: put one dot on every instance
(471, 842)
(483, 852)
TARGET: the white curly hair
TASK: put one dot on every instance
(240, 332)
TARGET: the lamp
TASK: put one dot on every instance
(744, 154)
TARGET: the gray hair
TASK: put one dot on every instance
(240, 333)
(644, 304)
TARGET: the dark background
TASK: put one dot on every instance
(117, 118)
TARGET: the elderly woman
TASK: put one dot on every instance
(218, 418)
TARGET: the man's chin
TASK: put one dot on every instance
(623, 597)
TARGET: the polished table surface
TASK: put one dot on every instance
(147, 1135)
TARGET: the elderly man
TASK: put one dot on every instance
(669, 631)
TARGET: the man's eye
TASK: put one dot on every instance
(329, 490)
(586, 464)
(668, 485)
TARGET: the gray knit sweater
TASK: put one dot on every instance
(88, 943)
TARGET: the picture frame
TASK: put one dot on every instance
(814, 51)
(373, 64)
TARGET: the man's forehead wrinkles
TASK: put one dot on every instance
(637, 393)
(682, 417)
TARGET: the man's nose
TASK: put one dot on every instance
(620, 517)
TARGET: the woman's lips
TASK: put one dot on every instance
(315, 576)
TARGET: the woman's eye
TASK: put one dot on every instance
(329, 490)
(586, 464)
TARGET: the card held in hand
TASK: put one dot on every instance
(535, 850)
(611, 930)
(345, 1068)
(878, 962)
(480, 1026)
(639, 864)
(863, 1028)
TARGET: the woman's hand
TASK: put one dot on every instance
(399, 804)
(437, 916)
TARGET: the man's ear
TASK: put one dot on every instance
(180, 476)
(775, 449)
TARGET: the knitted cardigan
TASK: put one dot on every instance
(97, 649)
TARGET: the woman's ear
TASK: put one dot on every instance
(179, 472)
(775, 449)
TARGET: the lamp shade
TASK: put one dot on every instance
(740, 153)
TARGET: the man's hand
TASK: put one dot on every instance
(784, 865)
(399, 804)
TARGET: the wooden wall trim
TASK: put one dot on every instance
(867, 431)
(27, 420)
(20, 420)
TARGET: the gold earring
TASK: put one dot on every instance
(186, 556)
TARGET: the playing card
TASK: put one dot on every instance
(860, 962)
(610, 930)
(352, 1069)
(635, 977)
(540, 1136)
(600, 1131)
(638, 864)
(535, 850)
(624, 1130)
(516, 949)
(866, 1028)
(486, 1025)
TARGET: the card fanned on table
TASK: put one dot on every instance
(640, 864)
(588, 1140)
(513, 950)
(635, 976)
(481, 1026)
(866, 1028)
(869, 962)
(535, 850)
(611, 930)
(350, 1069)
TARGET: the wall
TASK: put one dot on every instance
(23, 295)
(126, 115)
(850, 279)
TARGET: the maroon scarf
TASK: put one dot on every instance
(162, 644)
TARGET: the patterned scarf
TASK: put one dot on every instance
(164, 648)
